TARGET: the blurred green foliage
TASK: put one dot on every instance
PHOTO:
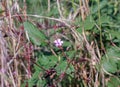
(103, 13)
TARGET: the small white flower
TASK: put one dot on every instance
(58, 42)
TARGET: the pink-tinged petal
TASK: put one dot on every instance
(57, 45)
(58, 42)
(55, 41)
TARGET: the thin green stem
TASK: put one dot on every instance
(99, 16)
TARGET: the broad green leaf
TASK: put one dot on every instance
(111, 63)
(70, 69)
(36, 36)
(88, 23)
(47, 61)
(113, 82)
(41, 83)
(61, 66)
(43, 61)
(71, 54)
(104, 19)
(66, 43)
(113, 52)
(34, 80)
(114, 34)
(53, 59)
(110, 66)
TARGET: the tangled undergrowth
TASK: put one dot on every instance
(59, 43)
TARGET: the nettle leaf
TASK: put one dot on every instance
(36, 36)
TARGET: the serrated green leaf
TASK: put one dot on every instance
(66, 43)
(115, 34)
(52, 60)
(71, 54)
(62, 66)
(96, 8)
(47, 61)
(110, 66)
(113, 82)
(36, 36)
(113, 52)
(79, 30)
(44, 61)
(70, 69)
(89, 23)
(34, 80)
(41, 83)
(104, 19)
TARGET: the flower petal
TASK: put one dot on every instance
(58, 42)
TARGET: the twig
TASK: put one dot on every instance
(48, 5)
(60, 12)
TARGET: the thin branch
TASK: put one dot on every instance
(60, 12)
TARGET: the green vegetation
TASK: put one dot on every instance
(60, 43)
